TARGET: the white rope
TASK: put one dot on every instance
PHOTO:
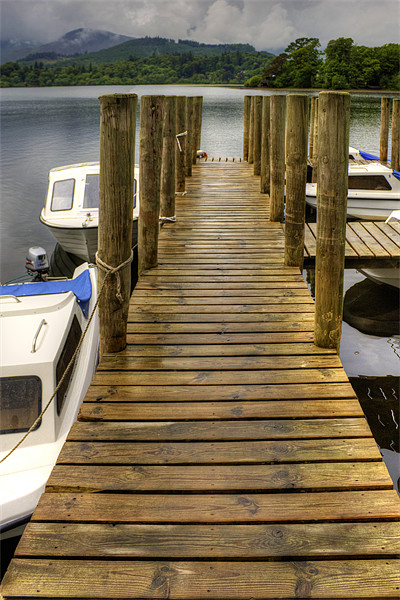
(114, 271)
(180, 193)
(168, 219)
(178, 135)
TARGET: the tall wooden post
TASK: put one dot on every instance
(277, 193)
(196, 127)
(384, 138)
(151, 134)
(333, 126)
(180, 144)
(189, 137)
(312, 123)
(117, 160)
(296, 176)
(394, 163)
(167, 192)
(315, 143)
(257, 135)
(265, 146)
(251, 132)
(246, 125)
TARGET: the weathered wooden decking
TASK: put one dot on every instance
(221, 455)
(367, 243)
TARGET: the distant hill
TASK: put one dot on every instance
(76, 42)
(138, 48)
(12, 50)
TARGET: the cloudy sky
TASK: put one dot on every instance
(266, 24)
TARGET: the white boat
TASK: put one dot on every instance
(41, 326)
(373, 191)
(388, 275)
(72, 208)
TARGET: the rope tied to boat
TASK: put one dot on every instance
(114, 271)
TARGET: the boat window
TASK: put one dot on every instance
(368, 182)
(91, 197)
(63, 193)
(20, 403)
(71, 343)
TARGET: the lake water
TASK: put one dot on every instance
(43, 128)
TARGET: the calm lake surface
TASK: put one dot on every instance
(43, 128)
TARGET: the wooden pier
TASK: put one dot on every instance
(222, 454)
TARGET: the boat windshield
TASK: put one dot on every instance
(91, 196)
(63, 193)
(368, 182)
(20, 402)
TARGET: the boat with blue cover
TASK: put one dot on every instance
(41, 326)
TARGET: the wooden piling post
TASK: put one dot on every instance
(265, 146)
(246, 125)
(117, 161)
(180, 147)
(257, 135)
(394, 163)
(333, 126)
(312, 123)
(277, 193)
(151, 134)
(197, 107)
(251, 132)
(315, 143)
(384, 137)
(167, 190)
(296, 176)
(189, 137)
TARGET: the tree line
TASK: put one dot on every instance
(230, 67)
(343, 65)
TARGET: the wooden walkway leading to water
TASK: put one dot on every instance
(221, 455)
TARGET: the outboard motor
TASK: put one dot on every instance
(37, 263)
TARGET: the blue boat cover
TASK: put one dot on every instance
(369, 156)
(81, 286)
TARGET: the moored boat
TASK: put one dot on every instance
(71, 211)
(41, 327)
(373, 191)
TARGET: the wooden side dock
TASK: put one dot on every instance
(221, 455)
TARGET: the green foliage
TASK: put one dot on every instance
(229, 67)
(346, 66)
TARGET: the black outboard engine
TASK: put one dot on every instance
(37, 263)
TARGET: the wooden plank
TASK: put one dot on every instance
(390, 247)
(221, 328)
(233, 309)
(181, 393)
(214, 294)
(226, 349)
(220, 508)
(214, 478)
(222, 318)
(254, 452)
(356, 242)
(105, 579)
(161, 340)
(123, 409)
(313, 540)
(198, 378)
(350, 427)
(377, 250)
(216, 363)
(391, 234)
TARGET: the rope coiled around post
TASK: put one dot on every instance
(114, 271)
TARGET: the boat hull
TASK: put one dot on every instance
(364, 208)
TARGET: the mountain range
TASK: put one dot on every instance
(78, 41)
(98, 46)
